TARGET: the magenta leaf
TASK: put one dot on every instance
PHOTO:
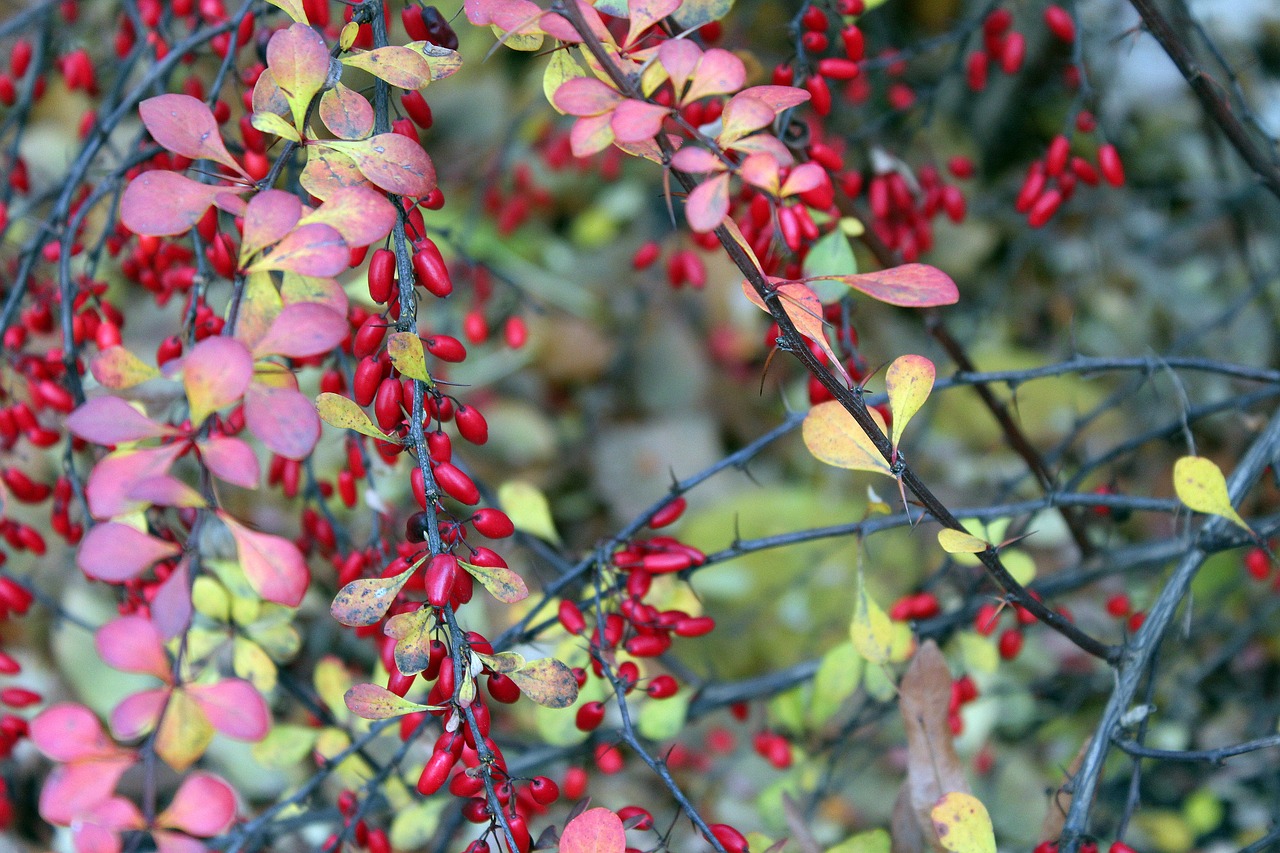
(361, 216)
(273, 565)
(680, 58)
(186, 126)
(594, 831)
(69, 732)
(316, 249)
(74, 790)
(646, 13)
(110, 420)
(163, 204)
(269, 216)
(138, 713)
(204, 806)
(283, 419)
(696, 160)
(719, 73)
(132, 644)
(111, 480)
(301, 330)
(230, 459)
(909, 286)
(636, 121)
(234, 707)
(708, 204)
(116, 552)
(171, 607)
(524, 17)
(803, 178)
(215, 374)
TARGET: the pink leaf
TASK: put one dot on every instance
(803, 178)
(204, 806)
(742, 115)
(761, 171)
(234, 707)
(273, 565)
(910, 285)
(171, 607)
(708, 204)
(361, 216)
(590, 135)
(679, 57)
(116, 553)
(636, 121)
(719, 73)
(391, 162)
(777, 98)
(585, 96)
(696, 160)
(186, 126)
(132, 644)
(315, 249)
(74, 790)
(138, 713)
(176, 842)
(522, 17)
(283, 419)
(302, 330)
(230, 459)
(164, 490)
(110, 481)
(269, 216)
(215, 374)
(110, 420)
(162, 204)
(299, 62)
(69, 732)
(346, 112)
(646, 13)
(594, 831)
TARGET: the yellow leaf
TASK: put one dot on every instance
(562, 67)
(251, 663)
(527, 507)
(117, 368)
(275, 125)
(347, 37)
(416, 825)
(959, 542)
(1201, 486)
(343, 413)
(292, 8)
(1019, 565)
(908, 380)
(871, 630)
(405, 350)
(834, 437)
(185, 732)
(962, 824)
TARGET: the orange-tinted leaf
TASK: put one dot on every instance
(328, 171)
(283, 419)
(298, 59)
(132, 644)
(302, 330)
(548, 682)
(708, 204)
(391, 162)
(163, 204)
(233, 707)
(585, 96)
(910, 285)
(116, 552)
(110, 420)
(365, 600)
(502, 583)
(719, 73)
(646, 13)
(343, 413)
(186, 126)
(378, 703)
(406, 353)
(360, 215)
(834, 437)
(909, 380)
(346, 112)
(269, 216)
(215, 374)
(315, 249)
(117, 368)
(1200, 485)
(962, 824)
(636, 121)
(273, 565)
(230, 459)
(203, 806)
(804, 308)
(594, 831)
(184, 733)
(402, 67)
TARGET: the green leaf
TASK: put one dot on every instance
(837, 679)
(664, 719)
(285, 745)
(875, 841)
(373, 702)
(414, 827)
(1200, 485)
(871, 629)
(528, 510)
(830, 255)
(276, 126)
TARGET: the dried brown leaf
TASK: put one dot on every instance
(1060, 802)
(933, 768)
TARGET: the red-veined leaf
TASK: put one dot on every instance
(391, 162)
(909, 286)
(273, 565)
(164, 204)
(363, 217)
(283, 419)
(708, 204)
(233, 707)
(299, 62)
(347, 113)
(636, 121)
(402, 67)
(115, 552)
(269, 216)
(132, 644)
(204, 806)
(110, 420)
(594, 831)
(719, 72)
(186, 126)
(215, 374)
(315, 249)
(230, 459)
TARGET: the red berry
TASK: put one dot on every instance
(1015, 50)
(1119, 605)
(662, 686)
(590, 716)
(1110, 166)
(730, 839)
(1257, 564)
(1010, 643)
(1060, 23)
(382, 274)
(543, 790)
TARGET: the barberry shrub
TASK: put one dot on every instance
(527, 426)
